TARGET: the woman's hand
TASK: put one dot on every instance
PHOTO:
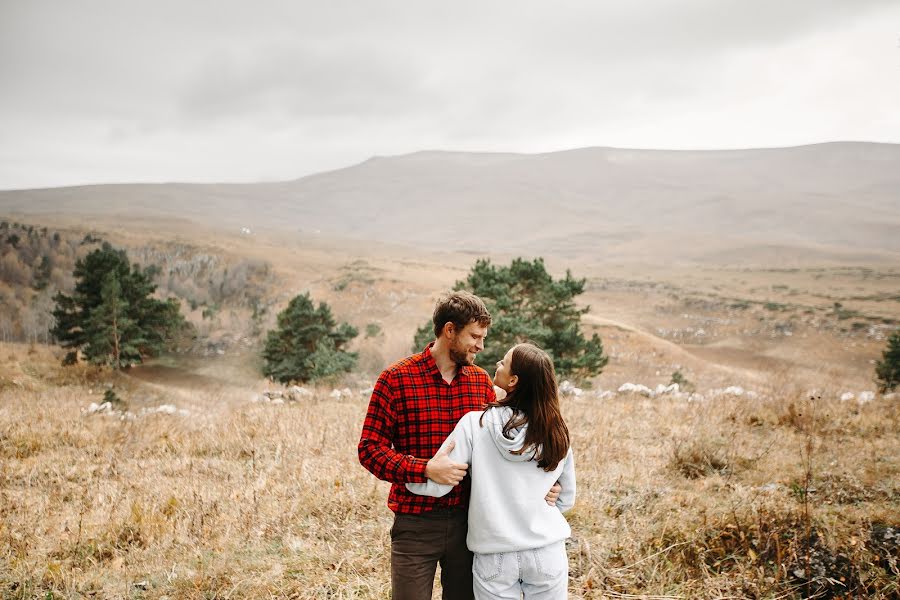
(440, 469)
(553, 495)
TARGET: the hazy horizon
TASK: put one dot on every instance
(227, 181)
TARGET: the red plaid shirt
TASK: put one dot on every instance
(412, 411)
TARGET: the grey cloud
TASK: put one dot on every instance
(395, 75)
(305, 81)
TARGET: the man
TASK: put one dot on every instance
(415, 405)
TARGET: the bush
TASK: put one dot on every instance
(683, 383)
(308, 344)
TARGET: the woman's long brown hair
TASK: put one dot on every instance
(535, 402)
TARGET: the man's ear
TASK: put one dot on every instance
(448, 329)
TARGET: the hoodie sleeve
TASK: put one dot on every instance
(566, 498)
(461, 453)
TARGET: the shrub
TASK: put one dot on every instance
(308, 343)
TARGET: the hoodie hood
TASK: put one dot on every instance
(495, 419)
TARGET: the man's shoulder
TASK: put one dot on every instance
(412, 363)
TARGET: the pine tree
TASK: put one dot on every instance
(887, 370)
(42, 273)
(112, 316)
(113, 337)
(307, 344)
(526, 304)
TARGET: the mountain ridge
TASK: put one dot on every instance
(839, 200)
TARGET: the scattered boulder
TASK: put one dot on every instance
(94, 408)
(635, 388)
(296, 393)
(566, 388)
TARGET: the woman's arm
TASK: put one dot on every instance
(460, 452)
(567, 481)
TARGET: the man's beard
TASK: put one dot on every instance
(460, 357)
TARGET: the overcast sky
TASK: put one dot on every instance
(226, 90)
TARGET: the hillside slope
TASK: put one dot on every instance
(820, 203)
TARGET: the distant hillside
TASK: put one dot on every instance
(836, 202)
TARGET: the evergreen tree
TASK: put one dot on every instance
(114, 339)
(307, 344)
(887, 370)
(527, 304)
(42, 273)
(112, 316)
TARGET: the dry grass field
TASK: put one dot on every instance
(786, 492)
(729, 498)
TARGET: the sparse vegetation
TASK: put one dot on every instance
(682, 381)
(777, 496)
(232, 503)
(356, 273)
(843, 313)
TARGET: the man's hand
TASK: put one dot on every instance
(553, 494)
(441, 469)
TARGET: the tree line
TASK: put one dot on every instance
(113, 318)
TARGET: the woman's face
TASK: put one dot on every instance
(504, 378)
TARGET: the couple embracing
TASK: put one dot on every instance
(488, 504)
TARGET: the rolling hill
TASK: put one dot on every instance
(825, 203)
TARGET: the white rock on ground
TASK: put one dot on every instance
(635, 388)
(568, 389)
(93, 408)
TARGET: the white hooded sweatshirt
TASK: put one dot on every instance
(507, 510)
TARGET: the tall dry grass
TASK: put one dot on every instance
(766, 498)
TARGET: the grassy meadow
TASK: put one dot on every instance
(776, 496)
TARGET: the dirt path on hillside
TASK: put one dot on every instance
(193, 373)
(721, 358)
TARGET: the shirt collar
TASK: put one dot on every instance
(431, 364)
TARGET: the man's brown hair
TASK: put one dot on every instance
(459, 308)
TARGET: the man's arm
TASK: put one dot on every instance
(456, 449)
(376, 444)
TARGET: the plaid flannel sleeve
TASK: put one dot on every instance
(376, 448)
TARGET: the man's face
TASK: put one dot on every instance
(465, 343)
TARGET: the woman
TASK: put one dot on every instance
(516, 449)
